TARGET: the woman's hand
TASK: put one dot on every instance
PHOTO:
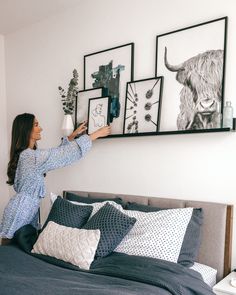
(82, 127)
(102, 132)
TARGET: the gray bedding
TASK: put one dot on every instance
(22, 273)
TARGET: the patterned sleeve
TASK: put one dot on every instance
(64, 141)
(64, 155)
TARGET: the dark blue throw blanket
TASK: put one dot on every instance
(21, 273)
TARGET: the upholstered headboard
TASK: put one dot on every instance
(216, 244)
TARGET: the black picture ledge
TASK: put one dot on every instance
(170, 132)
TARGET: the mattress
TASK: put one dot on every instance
(208, 273)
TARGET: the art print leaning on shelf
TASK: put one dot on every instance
(111, 69)
(98, 113)
(192, 61)
(81, 106)
(142, 106)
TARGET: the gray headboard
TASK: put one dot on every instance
(216, 245)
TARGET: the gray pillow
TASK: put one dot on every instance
(89, 200)
(113, 226)
(191, 243)
(66, 213)
(140, 207)
(192, 239)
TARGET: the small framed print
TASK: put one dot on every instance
(81, 106)
(98, 113)
(142, 107)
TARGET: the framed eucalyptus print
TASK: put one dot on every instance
(192, 61)
(142, 107)
(98, 113)
(111, 69)
(81, 106)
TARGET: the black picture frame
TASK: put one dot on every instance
(193, 98)
(111, 69)
(98, 113)
(81, 103)
(142, 106)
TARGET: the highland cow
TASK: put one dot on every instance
(201, 96)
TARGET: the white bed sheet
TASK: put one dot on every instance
(208, 273)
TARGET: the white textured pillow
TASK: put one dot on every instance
(77, 246)
(156, 234)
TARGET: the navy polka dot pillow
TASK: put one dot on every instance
(113, 226)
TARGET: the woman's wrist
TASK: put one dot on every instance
(71, 137)
(102, 132)
(93, 136)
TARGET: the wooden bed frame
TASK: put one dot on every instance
(216, 244)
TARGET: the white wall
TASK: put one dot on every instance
(41, 57)
(4, 194)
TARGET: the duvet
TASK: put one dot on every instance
(32, 274)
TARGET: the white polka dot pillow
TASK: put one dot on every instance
(156, 234)
(97, 206)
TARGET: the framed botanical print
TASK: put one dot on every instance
(111, 69)
(192, 61)
(81, 106)
(98, 113)
(142, 107)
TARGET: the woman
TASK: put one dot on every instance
(28, 165)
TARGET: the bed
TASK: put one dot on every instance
(22, 272)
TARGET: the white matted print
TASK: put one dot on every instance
(98, 113)
(192, 61)
(143, 99)
(111, 69)
(81, 110)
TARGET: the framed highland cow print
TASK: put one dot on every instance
(192, 61)
(111, 69)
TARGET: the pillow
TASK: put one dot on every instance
(141, 207)
(97, 206)
(77, 246)
(113, 225)
(156, 234)
(65, 213)
(191, 244)
(25, 237)
(192, 239)
(89, 200)
(53, 198)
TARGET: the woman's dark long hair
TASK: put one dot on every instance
(20, 140)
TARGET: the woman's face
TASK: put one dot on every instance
(35, 133)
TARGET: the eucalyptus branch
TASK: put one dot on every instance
(68, 99)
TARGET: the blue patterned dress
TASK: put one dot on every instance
(29, 184)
